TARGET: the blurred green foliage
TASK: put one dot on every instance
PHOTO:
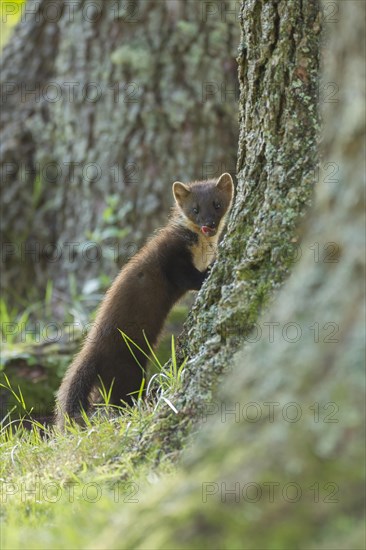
(10, 15)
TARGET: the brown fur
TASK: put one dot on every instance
(174, 261)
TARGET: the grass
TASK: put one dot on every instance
(52, 485)
(164, 381)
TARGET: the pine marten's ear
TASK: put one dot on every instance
(180, 191)
(225, 183)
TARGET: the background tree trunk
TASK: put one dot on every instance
(105, 104)
(314, 460)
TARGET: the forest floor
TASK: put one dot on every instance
(60, 490)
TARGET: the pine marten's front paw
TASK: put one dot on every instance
(207, 272)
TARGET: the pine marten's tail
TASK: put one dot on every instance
(74, 394)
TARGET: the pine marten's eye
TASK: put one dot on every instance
(217, 205)
(195, 209)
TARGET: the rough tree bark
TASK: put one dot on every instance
(108, 98)
(316, 453)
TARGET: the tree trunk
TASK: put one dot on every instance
(293, 460)
(105, 104)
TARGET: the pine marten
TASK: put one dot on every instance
(174, 261)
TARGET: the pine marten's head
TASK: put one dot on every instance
(204, 204)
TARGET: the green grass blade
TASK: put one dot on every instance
(157, 362)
